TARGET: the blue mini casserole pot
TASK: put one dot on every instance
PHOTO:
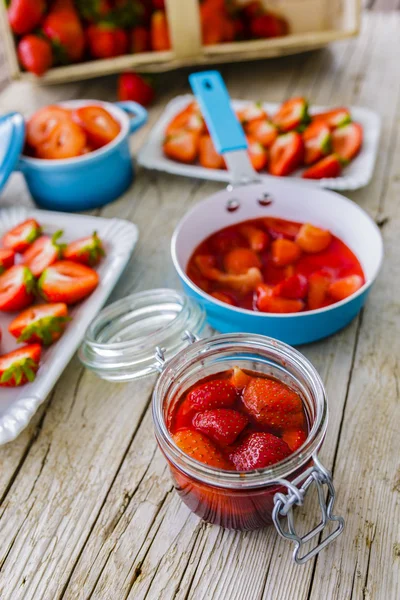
(91, 180)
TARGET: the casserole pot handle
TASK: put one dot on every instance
(284, 504)
(139, 114)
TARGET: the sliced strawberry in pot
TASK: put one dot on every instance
(16, 288)
(313, 239)
(66, 140)
(42, 123)
(222, 425)
(198, 446)
(257, 238)
(44, 252)
(43, 323)
(345, 287)
(19, 238)
(258, 451)
(20, 366)
(292, 114)
(240, 260)
(7, 257)
(284, 252)
(347, 141)
(67, 281)
(99, 125)
(268, 301)
(318, 284)
(286, 154)
(294, 287)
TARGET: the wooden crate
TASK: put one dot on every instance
(313, 24)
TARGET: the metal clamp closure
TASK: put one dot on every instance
(159, 356)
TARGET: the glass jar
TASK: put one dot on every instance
(151, 332)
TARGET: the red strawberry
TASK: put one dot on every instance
(313, 239)
(279, 228)
(188, 119)
(284, 252)
(345, 287)
(347, 140)
(318, 284)
(263, 131)
(292, 114)
(208, 156)
(333, 118)
(218, 393)
(223, 425)
(257, 154)
(7, 257)
(294, 287)
(106, 41)
(25, 15)
(330, 166)
(273, 403)
(132, 86)
(199, 447)
(286, 154)
(294, 438)
(99, 126)
(35, 54)
(43, 253)
(42, 124)
(258, 451)
(16, 288)
(140, 40)
(317, 142)
(43, 323)
(223, 297)
(19, 238)
(87, 251)
(239, 260)
(268, 26)
(67, 281)
(257, 238)
(159, 32)
(20, 366)
(268, 301)
(64, 29)
(182, 147)
(250, 113)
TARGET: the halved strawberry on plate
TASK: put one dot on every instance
(20, 237)
(330, 166)
(317, 142)
(286, 154)
(20, 366)
(44, 251)
(67, 281)
(257, 153)
(251, 112)
(292, 114)
(347, 141)
(188, 119)
(7, 257)
(182, 146)
(263, 131)
(87, 251)
(43, 323)
(17, 286)
(333, 118)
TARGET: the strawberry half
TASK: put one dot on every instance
(21, 237)
(294, 287)
(347, 141)
(268, 301)
(198, 446)
(263, 131)
(286, 154)
(273, 403)
(333, 118)
(67, 281)
(43, 253)
(218, 393)
(7, 257)
(20, 366)
(182, 146)
(43, 324)
(345, 287)
(251, 112)
(208, 156)
(292, 114)
(257, 153)
(313, 239)
(257, 238)
(223, 425)
(317, 142)
(87, 251)
(330, 166)
(258, 451)
(16, 288)
(318, 285)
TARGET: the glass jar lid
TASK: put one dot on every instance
(120, 343)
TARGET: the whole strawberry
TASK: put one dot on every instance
(223, 425)
(273, 403)
(258, 451)
(198, 446)
(218, 393)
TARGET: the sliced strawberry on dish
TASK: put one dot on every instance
(251, 112)
(294, 287)
(347, 141)
(67, 281)
(20, 366)
(43, 324)
(268, 301)
(336, 117)
(198, 446)
(44, 252)
(66, 140)
(182, 146)
(258, 451)
(218, 393)
(208, 156)
(239, 378)
(257, 238)
(318, 285)
(222, 425)
(345, 287)
(19, 238)
(291, 114)
(286, 154)
(313, 239)
(257, 153)
(99, 125)
(189, 119)
(273, 403)
(7, 257)
(42, 123)
(284, 252)
(294, 438)
(330, 166)
(17, 286)
(87, 251)
(263, 131)
(239, 260)
(317, 142)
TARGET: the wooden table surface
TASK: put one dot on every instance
(87, 508)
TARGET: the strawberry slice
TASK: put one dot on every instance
(257, 153)
(333, 118)
(347, 141)
(345, 287)
(223, 297)
(20, 366)
(189, 119)
(16, 288)
(251, 112)
(43, 324)
(67, 281)
(313, 239)
(318, 284)
(218, 393)
(43, 253)
(239, 378)
(294, 287)
(40, 126)
(22, 236)
(294, 438)
(240, 260)
(222, 425)
(286, 154)
(7, 257)
(244, 283)
(268, 301)
(284, 252)
(257, 238)
(292, 114)
(279, 228)
(208, 156)
(330, 166)
(263, 131)
(198, 446)
(99, 125)
(182, 146)
(273, 403)
(87, 251)
(258, 451)
(317, 142)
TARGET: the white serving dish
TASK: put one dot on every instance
(18, 405)
(356, 175)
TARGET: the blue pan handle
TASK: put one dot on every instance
(133, 108)
(215, 103)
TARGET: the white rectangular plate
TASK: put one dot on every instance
(18, 405)
(356, 175)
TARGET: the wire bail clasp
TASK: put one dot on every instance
(160, 352)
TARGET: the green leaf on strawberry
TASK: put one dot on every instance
(44, 329)
(17, 371)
